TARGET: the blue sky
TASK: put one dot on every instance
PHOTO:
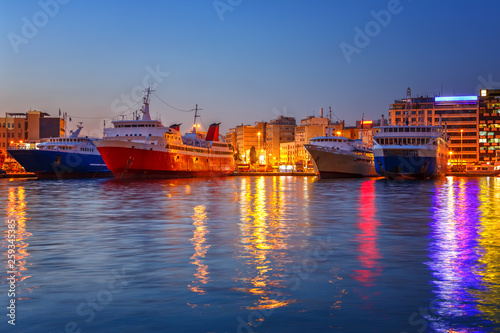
(246, 61)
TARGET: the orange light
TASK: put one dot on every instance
(21, 141)
(12, 142)
(366, 122)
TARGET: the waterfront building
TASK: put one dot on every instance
(244, 137)
(29, 126)
(458, 113)
(309, 128)
(489, 124)
(279, 130)
(288, 153)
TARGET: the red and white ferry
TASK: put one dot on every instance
(144, 148)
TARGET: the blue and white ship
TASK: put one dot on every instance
(409, 150)
(62, 157)
(406, 151)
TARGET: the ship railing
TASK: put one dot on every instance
(327, 149)
(24, 146)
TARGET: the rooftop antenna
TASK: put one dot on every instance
(408, 105)
(362, 123)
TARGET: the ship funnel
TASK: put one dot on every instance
(213, 132)
(175, 127)
(76, 133)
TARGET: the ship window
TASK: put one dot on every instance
(412, 129)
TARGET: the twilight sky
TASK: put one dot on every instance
(241, 61)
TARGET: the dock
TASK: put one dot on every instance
(262, 173)
(18, 175)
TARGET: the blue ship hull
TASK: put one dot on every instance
(60, 164)
(407, 167)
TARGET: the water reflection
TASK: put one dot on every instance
(264, 238)
(16, 210)
(367, 238)
(488, 297)
(200, 249)
(458, 254)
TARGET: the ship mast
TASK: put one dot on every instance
(408, 106)
(145, 107)
(196, 115)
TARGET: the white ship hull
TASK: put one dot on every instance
(331, 163)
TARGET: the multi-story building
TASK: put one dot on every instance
(30, 126)
(244, 137)
(288, 153)
(279, 130)
(458, 113)
(308, 129)
(489, 124)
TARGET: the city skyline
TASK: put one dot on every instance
(240, 61)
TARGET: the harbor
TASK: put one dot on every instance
(249, 166)
(255, 254)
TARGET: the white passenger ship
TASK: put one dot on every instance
(339, 157)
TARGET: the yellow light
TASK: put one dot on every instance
(338, 133)
(483, 92)
(461, 130)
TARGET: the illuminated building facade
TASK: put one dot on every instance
(279, 130)
(29, 126)
(489, 125)
(308, 129)
(458, 113)
(244, 137)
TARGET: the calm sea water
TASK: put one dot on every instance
(253, 254)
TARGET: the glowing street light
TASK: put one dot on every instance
(338, 133)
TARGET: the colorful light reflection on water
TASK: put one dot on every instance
(259, 254)
(464, 255)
